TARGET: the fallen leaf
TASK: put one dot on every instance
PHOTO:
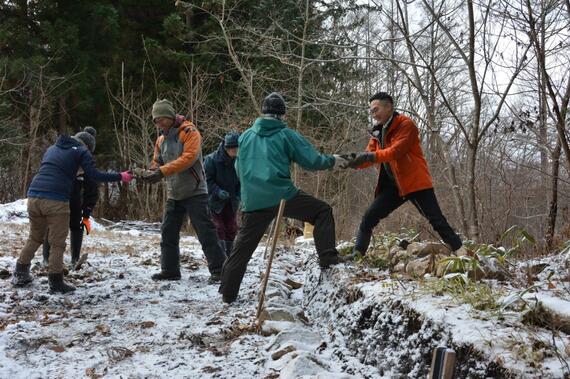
(57, 348)
(147, 324)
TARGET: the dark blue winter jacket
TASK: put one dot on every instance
(58, 170)
(221, 175)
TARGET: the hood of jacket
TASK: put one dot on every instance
(267, 126)
(221, 156)
(66, 142)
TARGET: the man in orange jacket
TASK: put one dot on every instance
(404, 174)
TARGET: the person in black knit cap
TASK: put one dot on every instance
(83, 199)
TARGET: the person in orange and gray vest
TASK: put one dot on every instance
(83, 198)
(224, 189)
(48, 206)
(178, 159)
(404, 175)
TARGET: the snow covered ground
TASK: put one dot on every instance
(348, 321)
(119, 323)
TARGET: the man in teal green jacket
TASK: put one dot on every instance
(265, 153)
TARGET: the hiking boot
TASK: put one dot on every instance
(332, 257)
(56, 284)
(228, 299)
(166, 276)
(215, 278)
(21, 276)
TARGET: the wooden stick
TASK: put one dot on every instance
(267, 243)
(271, 254)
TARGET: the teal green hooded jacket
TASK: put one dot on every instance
(266, 151)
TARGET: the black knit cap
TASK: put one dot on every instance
(273, 104)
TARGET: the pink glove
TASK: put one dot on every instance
(126, 176)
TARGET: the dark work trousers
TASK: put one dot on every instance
(226, 223)
(174, 216)
(388, 200)
(302, 207)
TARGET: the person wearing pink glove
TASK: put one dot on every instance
(48, 206)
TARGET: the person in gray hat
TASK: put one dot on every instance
(224, 189)
(266, 152)
(178, 159)
(82, 201)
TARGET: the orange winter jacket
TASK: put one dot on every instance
(178, 155)
(402, 151)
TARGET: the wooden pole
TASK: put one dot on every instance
(271, 254)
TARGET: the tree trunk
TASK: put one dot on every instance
(473, 230)
(553, 208)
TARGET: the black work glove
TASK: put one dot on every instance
(152, 176)
(356, 159)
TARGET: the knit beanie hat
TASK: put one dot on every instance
(273, 104)
(231, 140)
(163, 108)
(91, 130)
(87, 139)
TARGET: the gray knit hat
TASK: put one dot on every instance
(273, 104)
(87, 139)
(163, 108)
(91, 130)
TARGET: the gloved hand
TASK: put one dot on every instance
(86, 223)
(222, 194)
(357, 159)
(152, 176)
(339, 161)
(126, 176)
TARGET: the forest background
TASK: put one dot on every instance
(488, 84)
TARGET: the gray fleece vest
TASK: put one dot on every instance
(188, 183)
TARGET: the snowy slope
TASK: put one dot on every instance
(121, 323)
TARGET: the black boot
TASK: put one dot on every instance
(229, 245)
(56, 284)
(332, 257)
(215, 278)
(362, 242)
(75, 242)
(21, 275)
(163, 275)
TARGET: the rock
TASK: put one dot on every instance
(276, 293)
(422, 249)
(307, 365)
(400, 267)
(283, 313)
(401, 256)
(4, 274)
(493, 269)
(300, 338)
(419, 267)
(304, 365)
(273, 327)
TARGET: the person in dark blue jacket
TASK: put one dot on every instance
(48, 206)
(82, 201)
(224, 189)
